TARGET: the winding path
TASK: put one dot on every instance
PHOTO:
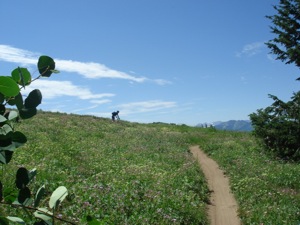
(223, 207)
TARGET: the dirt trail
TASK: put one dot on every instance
(223, 207)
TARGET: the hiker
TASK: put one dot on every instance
(115, 115)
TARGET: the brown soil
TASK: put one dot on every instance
(223, 207)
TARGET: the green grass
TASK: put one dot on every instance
(267, 190)
(119, 173)
(130, 173)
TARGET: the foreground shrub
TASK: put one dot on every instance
(278, 127)
(15, 190)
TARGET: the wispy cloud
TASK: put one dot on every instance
(89, 70)
(145, 106)
(251, 49)
(161, 81)
(94, 70)
(100, 102)
(16, 55)
(56, 89)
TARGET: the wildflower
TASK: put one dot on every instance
(86, 204)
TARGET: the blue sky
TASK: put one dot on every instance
(174, 61)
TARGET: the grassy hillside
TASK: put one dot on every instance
(130, 173)
(119, 173)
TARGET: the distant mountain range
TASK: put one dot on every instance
(233, 125)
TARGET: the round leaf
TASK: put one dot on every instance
(8, 87)
(27, 113)
(43, 214)
(5, 156)
(45, 65)
(33, 99)
(22, 76)
(10, 147)
(12, 115)
(32, 173)
(2, 119)
(19, 139)
(38, 196)
(58, 196)
(15, 219)
(17, 100)
(22, 177)
(5, 132)
(24, 194)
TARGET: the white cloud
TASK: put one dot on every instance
(16, 55)
(251, 49)
(94, 70)
(100, 102)
(162, 82)
(53, 89)
(145, 106)
(89, 70)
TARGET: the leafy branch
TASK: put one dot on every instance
(10, 140)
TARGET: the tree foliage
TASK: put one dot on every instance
(278, 125)
(286, 44)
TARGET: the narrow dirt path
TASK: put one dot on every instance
(223, 207)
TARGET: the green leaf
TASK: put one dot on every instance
(5, 156)
(38, 196)
(27, 113)
(12, 115)
(22, 177)
(45, 66)
(2, 119)
(33, 99)
(43, 214)
(5, 132)
(15, 219)
(55, 71)
(8, 87)
(24, 194)
(18, 139)
(17, 100)
(10, 148)
(58, 196)
(32, 173)
(22, 76)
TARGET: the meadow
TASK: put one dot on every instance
(131, 173)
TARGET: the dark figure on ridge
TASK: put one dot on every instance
(115, 115)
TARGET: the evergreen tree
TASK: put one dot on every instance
(286, 44)
(278, 126)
